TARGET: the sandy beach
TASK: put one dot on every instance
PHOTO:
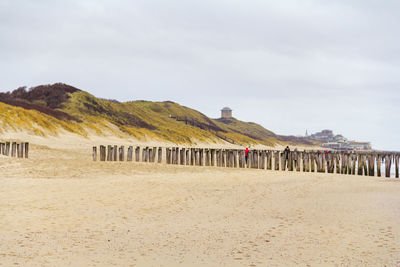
(59, 208)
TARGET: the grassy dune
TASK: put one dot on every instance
(51, 109)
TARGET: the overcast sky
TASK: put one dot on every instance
(289, 65)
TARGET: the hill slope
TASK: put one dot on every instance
(50, 109)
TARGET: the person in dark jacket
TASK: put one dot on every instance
(287, 151)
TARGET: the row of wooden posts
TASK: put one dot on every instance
(360, 163)
(14, 149)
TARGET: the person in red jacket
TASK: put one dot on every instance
(246, 154)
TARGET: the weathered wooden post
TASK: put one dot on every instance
(145, 151)
(283, 161)
(235, 158)
(305, 158)
(94, 153)
(151, 155)
(360, 165)
(241, 158)
(102, 153)
(223, 158)
(1, 148)
(353, 163)
(396, 163)
(18, 151)
(212, 163)
(115, 150)
(13, 148)
(188, 156)
(137, 154)
(173, 155)
(388, 165)
(323, 163)
(269, 159)
(378, 165)
(159, 155)
(364, 159)
(168, 155)
(330, 163)
(371, 164)
(109, 152)
(276, 160)
(313, 158)
(201, 156)
(207, 157)
(192, 157)
(129, 156)
(121, 153)
(343, 162)
(298, 159)
(7, 148)
(182, 156)
(290, 161)
(147, 154)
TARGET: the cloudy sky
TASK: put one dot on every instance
(289, 65)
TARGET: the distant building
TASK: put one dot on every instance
(360, 145)
(226, 113)
(324, 136)
(338, 142)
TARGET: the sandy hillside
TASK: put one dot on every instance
(59, 208)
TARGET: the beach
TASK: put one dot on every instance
(59, 208)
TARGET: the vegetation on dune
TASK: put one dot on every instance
(47, 109)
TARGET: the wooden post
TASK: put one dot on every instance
(102, 153)
(144, 154)
(182, 156)
(129, 155)
(7, 148)
(396, 163)
(212, 157)
(201, 157)
(94, 153)
(115, 153)
(188, 156)
(192, 156)
(13, 148)
(388, 165)
(290, 161)
(206, 157)
(371, 164)
(168, 155)
(176, 155)
(173, 155)
(121, 153)
(235, 158)
(159, 155)
(17, 150)
(378, 165)
(298, 159)
(153, 157)
(360, 164)
(241, 158)
(276, 160)
(109, 152)
(137, 154)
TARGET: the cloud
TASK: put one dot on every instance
(289, 65)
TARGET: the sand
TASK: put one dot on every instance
(59, 208)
